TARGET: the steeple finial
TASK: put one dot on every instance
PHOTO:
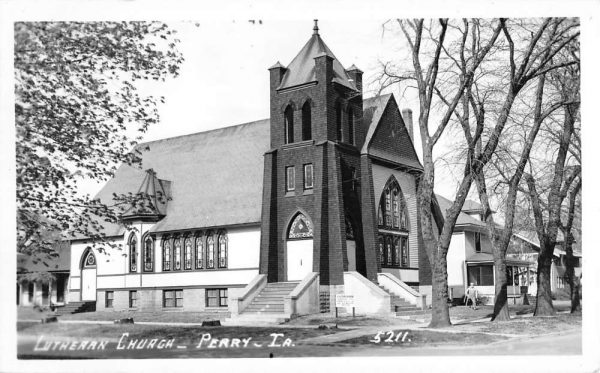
(316, 28)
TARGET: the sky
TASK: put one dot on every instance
(224, 79)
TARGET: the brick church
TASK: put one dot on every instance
(272, 218)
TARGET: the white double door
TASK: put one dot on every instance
(299, 259)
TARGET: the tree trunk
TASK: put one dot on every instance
(575, 295)
(501, 298)
(544, 305)
(440, 315)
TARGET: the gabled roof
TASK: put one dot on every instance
(377, 119)
(464, 220)
(302, 68)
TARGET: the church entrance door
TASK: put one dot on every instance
(299, 248)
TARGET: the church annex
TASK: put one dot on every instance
(273, 217)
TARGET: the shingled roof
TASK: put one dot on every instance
(212, 178)
(302, 68)
(464, 220)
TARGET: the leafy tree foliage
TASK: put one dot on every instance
(79, 113)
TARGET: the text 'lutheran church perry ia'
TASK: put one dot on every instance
(275, 217)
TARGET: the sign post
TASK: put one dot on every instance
(346, 301)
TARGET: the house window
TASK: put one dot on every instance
(148, 254)
(338, 122)
(132, 253)
(222, 251)
(481, 275)
(30, 292)
(308, 176)
(187, 253)
(199, 251)
(167, 254)
(477, 242)
(290, 178)
(172, 298)
(351, 127)
(210, 252)
(177, 254)
(109, 296)
(289, 124)
(306, 122)
(132, 298)
(216, 297)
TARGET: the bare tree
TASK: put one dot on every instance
(528, 59)
(566, 178)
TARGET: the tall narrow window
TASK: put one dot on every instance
(223, 251)
(395, 208)
(210, 252)
(381, 250)
(308, 176)
(177, 254)
(199, 252)
(338, 122)
(404, 251)
(306, 122)
(166, 254)
(388, 247)
(187, 253)
(351, 126)
(132, 253)
(148, 254)
(397, 251)
(388, 205)
(288, 117)
(290, 178)
(477, 242)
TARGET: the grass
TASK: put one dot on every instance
(24, 313)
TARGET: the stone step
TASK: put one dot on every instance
(263, 309)
(266, 301)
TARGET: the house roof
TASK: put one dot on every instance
(45, 263)
(484, 257)
(464, 219)
(302, 68)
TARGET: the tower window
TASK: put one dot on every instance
(351, 127)
(289, 125)
(338, 121)
(306, 122)
(290, 178)
(308, 176)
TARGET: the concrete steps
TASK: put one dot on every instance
(267, 307)
(75, 307)
(399, 305)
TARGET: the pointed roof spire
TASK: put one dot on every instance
(316, 28)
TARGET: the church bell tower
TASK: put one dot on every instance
(311, 213)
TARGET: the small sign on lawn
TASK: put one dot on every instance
(342, 300)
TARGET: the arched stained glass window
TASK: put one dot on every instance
(300, 228)
(132, 253)
(148, 253)
(187, 253)
(306, 122)
(177, 254)
(288, 117)
(210, 252)
(166, 254)
(223, 251)
(199, 252)
(392, 217)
